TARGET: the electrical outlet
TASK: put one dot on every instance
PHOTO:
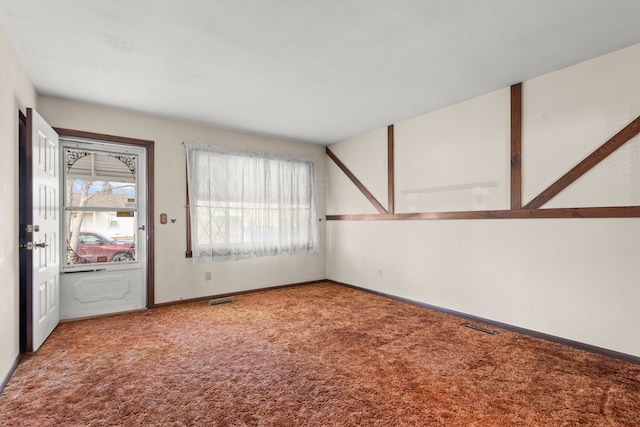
(380, 273)
(207, 275)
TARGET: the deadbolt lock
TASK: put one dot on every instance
(28, 246)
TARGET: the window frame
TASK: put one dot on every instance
(189, 241)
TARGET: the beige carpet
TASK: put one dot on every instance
(316, 355)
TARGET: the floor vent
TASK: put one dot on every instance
(217, 301)
(478, 328)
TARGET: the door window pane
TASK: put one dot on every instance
(91, 239)
(100, 207)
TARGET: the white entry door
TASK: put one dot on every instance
(104, 235)
(46, 228)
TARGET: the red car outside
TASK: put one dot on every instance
(96, 247)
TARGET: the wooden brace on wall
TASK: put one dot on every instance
(531, 209)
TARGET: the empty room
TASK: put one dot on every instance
(320, 213)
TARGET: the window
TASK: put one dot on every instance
(246, 204)
(100, 204)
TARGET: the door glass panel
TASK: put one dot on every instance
(100, 206)
(100, 236)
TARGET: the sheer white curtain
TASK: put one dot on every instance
(246, 204)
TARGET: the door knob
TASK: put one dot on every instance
(40, 245)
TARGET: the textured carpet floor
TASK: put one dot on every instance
(317, 355)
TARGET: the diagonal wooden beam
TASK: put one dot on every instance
(615, 142)
(357, 182)
(390, 171)
(516, 146)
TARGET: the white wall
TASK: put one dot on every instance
(455, 159)
(16, 93)
(577, 279)
(176, 277)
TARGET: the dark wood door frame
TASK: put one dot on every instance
(149, 223)
(25, 208)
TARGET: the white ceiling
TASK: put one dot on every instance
(313, 70)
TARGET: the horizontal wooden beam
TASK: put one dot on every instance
(598, 212)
